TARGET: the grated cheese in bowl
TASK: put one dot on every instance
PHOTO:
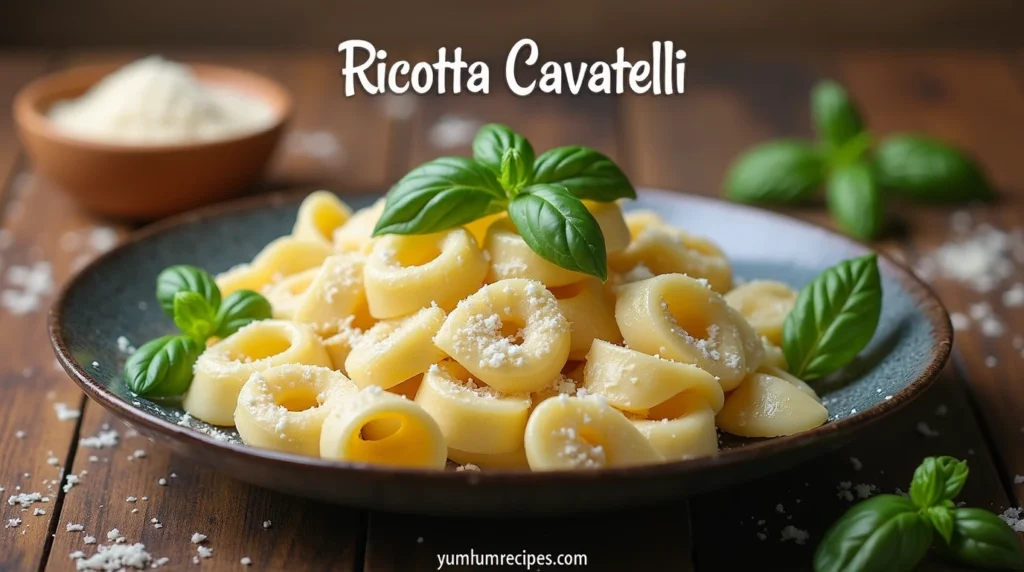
(153, 101)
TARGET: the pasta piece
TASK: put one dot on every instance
(511, 257)
(287, 255)
(320, 214)
(340, 345)
(767, 405)
(511, 335)
(773, 355)
(681, 319)
(633, 381)
(356, 234)
(284, 407)
(613, 225)
(283, 257)
(473, 419)
(765, 304)
(591, 316)
(570, 433)
(408, 388)
(333, 295)
(406, 273)
(241, 277)
(661, 249)
(382, 428)
(563, 385)
(478, 228)
(395, 350)
(514, 460)
(286, 295)
(222, 370)
(682, 428)
(796, 381)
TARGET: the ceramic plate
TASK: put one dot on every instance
(114, 296)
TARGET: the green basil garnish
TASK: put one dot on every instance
(560, 229)
(835, 316)
(928, 170)
(890, 532)
(855, 201)
(184, 278)
(240, 309)
(543, 196)
(776, 172)
(162, 367)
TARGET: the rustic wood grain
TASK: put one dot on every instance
(445, 126)
(688, 143)
(34, 444)
(304, 535)
(975, 101)
(655, 539)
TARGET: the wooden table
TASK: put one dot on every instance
(362, 144)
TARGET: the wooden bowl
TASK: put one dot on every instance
(114, 297)
(145, 182)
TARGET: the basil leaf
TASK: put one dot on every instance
(193, 316)
(941, 519)
(162, 367)
(183, 278)
(493, 140)
(835, 316)
(586, 173)
(775, 172)
(515, 173)
(558, 227)
(928, 170)
(882, 533)
(855, 201)
(937, 479)
(439, 195)
(240, 309)
(836, 118)
(981, 539)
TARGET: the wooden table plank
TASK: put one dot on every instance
(976, 101)
(687, 143)
(34, 253)
(445, 126)
(230, 513)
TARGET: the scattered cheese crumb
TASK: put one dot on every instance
(113, 534)
(13, 523)
(89, 540)
(991, 361)
(26, 499)
(204, 551)
(117, 557)
(1018, 479)
(779, 509)
(925, 430)
(1011, 516)
(70, 482)
(197, 538)
(266, 524)
(65, 413)
(130, 499)
(467, 467)
(162, 482)
(38, 512)
(857, 465)
(941, 410)
(74, 527)
(245, 561)
(105, 438)
(793, 533)
(19, 434)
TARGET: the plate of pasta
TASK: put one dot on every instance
(535, 354)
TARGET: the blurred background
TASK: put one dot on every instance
(952, 69)
(578, 28)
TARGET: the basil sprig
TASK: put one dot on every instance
(893, 533)
(543, 196)
(834, 317)
(190, 296)
(857, 177)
